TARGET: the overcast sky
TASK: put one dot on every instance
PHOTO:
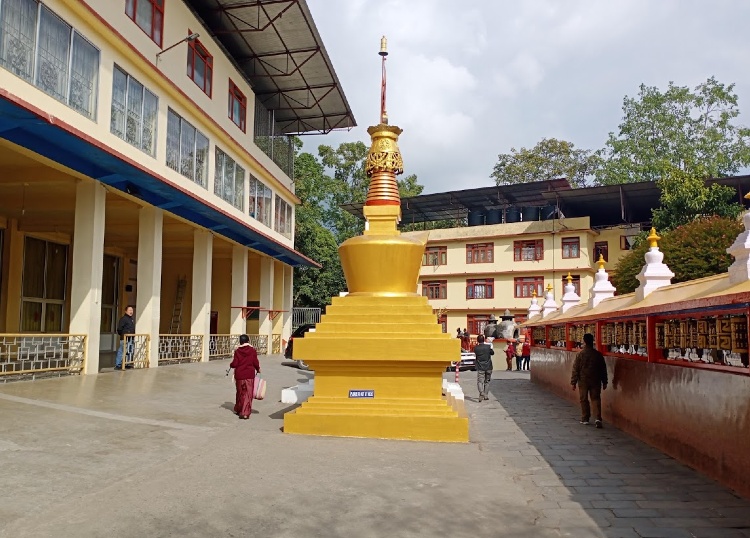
(473, 78)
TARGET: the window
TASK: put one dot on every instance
(435, 289)
(229, 180)
(282, 221)
(443, 322)
(528, 251)
(38, 46)
(482, 288)
(200, 65)
(134, 112)
(475, 323)
(260, 197)
(435, 256)
(576, 283)
(601, 248)
(526, 285)
(44, 276)
(571, 247)
(626, 242)
(187, 149)
(148, 15)
(237, 106)
(479, 253)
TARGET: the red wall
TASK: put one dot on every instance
(699, 417)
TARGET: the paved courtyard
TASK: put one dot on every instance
(159, 453)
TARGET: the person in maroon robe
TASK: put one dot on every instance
(245, 364)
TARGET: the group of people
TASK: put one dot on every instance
(521, 351)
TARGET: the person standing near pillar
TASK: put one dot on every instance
(125, 327)
(590, 375)
(483, 353)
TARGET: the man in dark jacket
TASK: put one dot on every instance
(125, 327)
(590, 374)
(483, 353)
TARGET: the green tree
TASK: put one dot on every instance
(550, 158)
(694, 250)
(692, 131)
(685, 197)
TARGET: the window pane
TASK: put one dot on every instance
(109, 280)
(251, 205)
(53, 317)
(130, 8)
(201, 159)
(84, 76)
(239, 187)
(17, 36)
(33, 267)
(158, 25)
(31, 317)
(199, 72)
(57, 264)
(119, 96)
(187, 149)
(173, 141)
(134, 128)
(52, 55)
(107, 322)
(144, 15)
(150, 113)
(219, 172)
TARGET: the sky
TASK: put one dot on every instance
(470, 79)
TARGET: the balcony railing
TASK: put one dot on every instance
(137, 351)
(175, 348)
(222, 346)
(38, 355)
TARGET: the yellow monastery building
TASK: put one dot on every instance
(145, 160)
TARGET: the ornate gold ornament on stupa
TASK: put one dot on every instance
(378, 352)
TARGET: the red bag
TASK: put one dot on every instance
(259, 388)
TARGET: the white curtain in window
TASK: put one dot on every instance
(187, 150)
(201, 159)
(17, 36)
(220, 173)
(119, 102)
(252, 185)
(53, 54)
(135, 113)
(239, 187)
(173, 140)
(84, 76)
(144, 15)
(150, 114)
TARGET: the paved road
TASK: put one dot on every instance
(159, 453)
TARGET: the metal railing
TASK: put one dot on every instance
(276, 343)
(222, 346)
(137, 351)
(36, 355)
(279, 147)
(260, 343)
(301, 316)
(175, 348)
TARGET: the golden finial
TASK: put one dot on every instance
(653, 239)
(601, 261)
(569, 278)
(533, 294)
(549, 287)
(747, 196)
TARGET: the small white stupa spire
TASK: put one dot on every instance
(570, 298)
(603, 288)
(739, 271)
(655, 274)
(549, 305)
(534, 308)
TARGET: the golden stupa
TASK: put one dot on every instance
(378, 353)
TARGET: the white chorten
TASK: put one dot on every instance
(739, 271)
(603, 288)
(655, 274)
(549, 305)
(534, 308)
(570, 298)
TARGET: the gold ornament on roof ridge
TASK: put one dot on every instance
(549, 286)
(569, 278)
(601, 261)
(653, 239)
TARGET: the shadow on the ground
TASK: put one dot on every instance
(279, 415)
(230, 406)
(626, 486)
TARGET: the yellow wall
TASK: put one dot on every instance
(253, 288)
(221, 293)
(278, 297)
(172, 269)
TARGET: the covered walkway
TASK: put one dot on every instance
(157, 452)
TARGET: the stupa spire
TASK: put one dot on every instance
(384, 158)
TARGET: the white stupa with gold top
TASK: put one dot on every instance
(379, 353)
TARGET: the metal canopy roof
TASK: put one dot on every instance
(276, 45)
(606, 206)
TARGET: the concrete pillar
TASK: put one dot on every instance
(88, 258)
(148, 278)
(239, 289)
(286, 329)
(200, 311)
(265, 324)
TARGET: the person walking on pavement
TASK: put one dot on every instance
(483, 353)
(125, 327)
(519, 352)
(510, 353)
(245, 364)
(590, 375)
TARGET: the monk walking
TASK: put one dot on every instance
(245, 364)
(590, 374)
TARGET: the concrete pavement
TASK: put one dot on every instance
(159, 453)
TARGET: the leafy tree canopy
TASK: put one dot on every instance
(694, 250)
(550, 158)
(679, 129)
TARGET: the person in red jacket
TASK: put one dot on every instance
(245, 364)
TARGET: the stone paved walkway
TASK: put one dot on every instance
(159, 453)
(568, 471)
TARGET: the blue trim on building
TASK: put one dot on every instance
(24, 128)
